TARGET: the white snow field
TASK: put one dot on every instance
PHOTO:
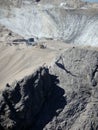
(77, 26)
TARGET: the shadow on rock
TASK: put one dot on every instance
(54, 104)
(31, 102)
(1, 128)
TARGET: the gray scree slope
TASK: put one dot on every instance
(70, 24)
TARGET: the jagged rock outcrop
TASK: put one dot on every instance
(61, 97)
(74, 106)
(77, 71)
(21, 102)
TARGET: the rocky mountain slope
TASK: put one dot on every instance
(63, 22)
(77, 72)
(61, 97)
(48, 79)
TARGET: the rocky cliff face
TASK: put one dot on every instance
(77, 70)
(21, 103)
(63, 96)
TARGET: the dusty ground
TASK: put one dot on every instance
(7, 36)
(17, 61)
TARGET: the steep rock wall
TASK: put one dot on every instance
(61, 97)
(21, 102)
